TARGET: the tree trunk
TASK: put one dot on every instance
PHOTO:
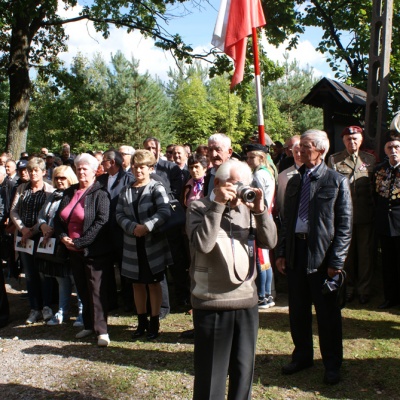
(20, 88)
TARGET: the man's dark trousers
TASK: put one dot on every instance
(305, 290)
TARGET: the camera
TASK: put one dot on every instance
(245, 193)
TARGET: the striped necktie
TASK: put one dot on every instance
(305, 198)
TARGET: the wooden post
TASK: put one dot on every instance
(378, 73)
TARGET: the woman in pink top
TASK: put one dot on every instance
(82, 224)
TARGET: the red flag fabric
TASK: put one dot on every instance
(235, 21)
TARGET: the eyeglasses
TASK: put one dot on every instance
(59, 178)
(127, 154)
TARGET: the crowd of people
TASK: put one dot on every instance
(272, 208)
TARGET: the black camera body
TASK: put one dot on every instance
(245, 193)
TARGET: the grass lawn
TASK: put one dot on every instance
(48, 362)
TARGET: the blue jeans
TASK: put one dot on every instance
(33, 282)
(264, 280)
(64, 291)
(47, 289)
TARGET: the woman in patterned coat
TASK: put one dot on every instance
(142, 207)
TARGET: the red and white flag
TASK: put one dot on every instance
(235, 21)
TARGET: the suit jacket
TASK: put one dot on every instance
(171, 174)
(283, 179)
(360, 174)
(123, 179)
(329, 219)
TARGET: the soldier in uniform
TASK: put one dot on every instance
(358, 166)
(387, 200)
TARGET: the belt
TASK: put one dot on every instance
(301, 236)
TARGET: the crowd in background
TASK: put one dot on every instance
(104, 212)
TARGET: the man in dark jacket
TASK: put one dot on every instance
(387, 217)
(114, 179)
(313, 245)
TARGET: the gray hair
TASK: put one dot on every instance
(36, 162)
(127, 150)
(319, 138)
(86, 158)
(222, 139)
(224, 171)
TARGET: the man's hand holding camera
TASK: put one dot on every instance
(228, 192)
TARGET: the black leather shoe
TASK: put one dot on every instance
(364, 298)
(331, 377)
(189, 334)
(294, 367)
(349, 297)
(387, 304)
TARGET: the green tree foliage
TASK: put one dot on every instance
(202, 106)
(99, 107)
(288, 93)
(32, 34)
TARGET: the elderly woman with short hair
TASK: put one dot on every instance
(28, 201)
(82, 225)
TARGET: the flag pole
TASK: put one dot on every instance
(257, 78)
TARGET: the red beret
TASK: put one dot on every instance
(351, 130)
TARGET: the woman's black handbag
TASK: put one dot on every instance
(60, 255)
(177, 218)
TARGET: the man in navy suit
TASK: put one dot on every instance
(171, 176)
(114, 179)
(180, 158)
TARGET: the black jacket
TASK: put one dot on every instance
(95, 238)
(115, 231)
(171, 174)
(330, 219)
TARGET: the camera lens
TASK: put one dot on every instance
(249, 196)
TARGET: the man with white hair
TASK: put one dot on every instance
(313, 243)
(127, 152)
(224, 294)
(219, 151)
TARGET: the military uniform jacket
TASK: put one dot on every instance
(387, 199)
(360, 175)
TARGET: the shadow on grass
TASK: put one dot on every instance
(360, 379)
(153, 359)
(375, 326)
(13, 391)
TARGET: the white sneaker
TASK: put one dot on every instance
(34, 316)
(103, 340)
(79, 321)
(47, 313)
(56, 320)
(84, 333)
(270, 302)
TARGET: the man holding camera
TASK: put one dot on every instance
(313, 245)
(224, 295)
